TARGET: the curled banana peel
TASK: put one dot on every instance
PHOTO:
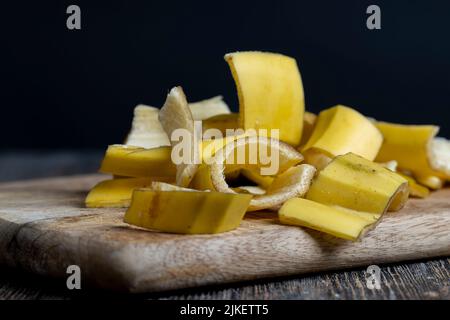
(208, 108)
(131, 161)
(175, 114)
(417, 150)
(294, 182)
(340, 130)
(160, 210)
(353, 182)
(146, 130)
(339, 222)
(290, 181)
(270, 92)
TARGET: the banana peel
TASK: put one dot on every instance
(417, 150)
(270, 92)
(339, 222)
(114, 193)
(175, 114)
(353, 182)
(294, 182)
(340, 130)
(146, 130)
(202, 212)
(290, 180)
(128, 161)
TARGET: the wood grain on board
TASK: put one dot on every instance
(44, 228)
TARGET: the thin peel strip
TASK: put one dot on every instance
(175, 114)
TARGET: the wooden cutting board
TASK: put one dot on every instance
(44, 228)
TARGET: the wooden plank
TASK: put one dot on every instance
(44, 228)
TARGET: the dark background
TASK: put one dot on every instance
(77, 89)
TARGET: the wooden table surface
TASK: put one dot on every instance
(414, 280)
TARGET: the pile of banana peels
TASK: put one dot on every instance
(197, 168)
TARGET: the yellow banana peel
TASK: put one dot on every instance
(340, 130)
(270, 92)
(417, 150)
(114, 193)
(190, 212)
(339, 222)
(353, 182)
(130, 161)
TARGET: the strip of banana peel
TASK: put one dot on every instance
(353, 182)
(339, 222)
(114, 193)
(202, 212)
(209, 108)
(175, 114)
(294, 182)
(340, 130)
(146, 130)
(416, 149)
(221, 122)
(122, 160)
(270, 93)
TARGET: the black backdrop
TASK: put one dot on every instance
(64, 89)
